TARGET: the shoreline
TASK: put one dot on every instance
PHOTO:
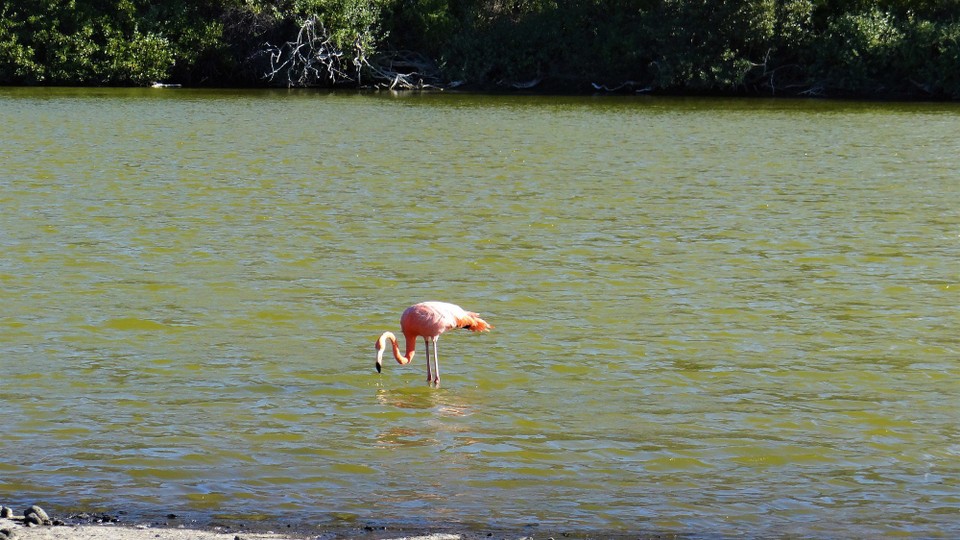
(18, 529)
(851, 97)
(83, 526)
(148, 532)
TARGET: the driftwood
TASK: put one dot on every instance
(626, 84)
(403, 70)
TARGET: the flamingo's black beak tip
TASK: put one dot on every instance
(378, 368)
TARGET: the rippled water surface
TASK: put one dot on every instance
(711, 317)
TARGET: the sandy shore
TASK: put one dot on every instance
(117, 532)
(29, 527)
(19, 531)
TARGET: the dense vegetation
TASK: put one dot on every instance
(882, 48)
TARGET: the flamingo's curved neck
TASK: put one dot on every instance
(402, 359)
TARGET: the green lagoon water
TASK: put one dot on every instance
(712, 317)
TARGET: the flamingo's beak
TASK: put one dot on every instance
(379, 357)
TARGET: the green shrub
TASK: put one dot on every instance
(854, 47)
(143, 59)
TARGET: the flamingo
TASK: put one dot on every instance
(428, 320)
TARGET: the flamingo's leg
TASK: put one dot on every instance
(436, 362)
(426, 342)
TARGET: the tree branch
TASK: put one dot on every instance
(314, 60)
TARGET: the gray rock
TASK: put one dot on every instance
(6, 512)
(35, 511)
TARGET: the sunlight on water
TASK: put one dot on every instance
(712, 317)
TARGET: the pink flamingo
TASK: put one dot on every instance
(428, 320)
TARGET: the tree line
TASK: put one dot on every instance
(862, 48)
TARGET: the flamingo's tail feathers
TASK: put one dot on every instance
(473, 322)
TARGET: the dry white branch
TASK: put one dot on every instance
(308, 60)
(313, 60)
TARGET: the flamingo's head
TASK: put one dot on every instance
(380, 347)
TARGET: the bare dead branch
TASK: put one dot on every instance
(308, 60)
(312, 59)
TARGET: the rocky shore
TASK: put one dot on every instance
(35, 524)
